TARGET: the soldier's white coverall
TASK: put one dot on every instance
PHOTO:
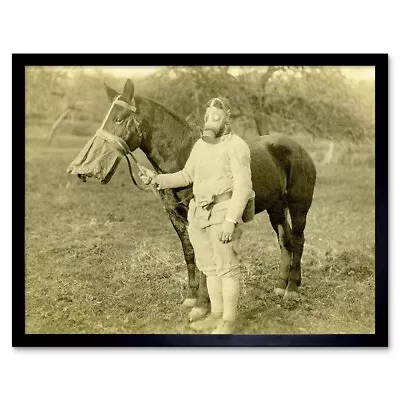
(215, 170)
(222, 187)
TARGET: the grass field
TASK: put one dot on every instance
(105, 259)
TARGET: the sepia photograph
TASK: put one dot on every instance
(212, 201)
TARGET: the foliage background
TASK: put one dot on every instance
(318, 101)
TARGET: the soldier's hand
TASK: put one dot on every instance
(226, 233)
(147, 175)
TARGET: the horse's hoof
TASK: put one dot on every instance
(291, 295)
(279, 291)
(197, 313)
(189, 303)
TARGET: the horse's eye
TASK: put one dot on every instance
(119, 121)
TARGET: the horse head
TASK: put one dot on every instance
(122, 119)
(119, 134)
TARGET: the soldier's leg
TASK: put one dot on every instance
(227, 261)
(204, 254)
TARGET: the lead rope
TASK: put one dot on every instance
(138, 166)
(131, 174)
(155, 191)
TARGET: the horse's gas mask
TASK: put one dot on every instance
(102, 154)
(216, 118)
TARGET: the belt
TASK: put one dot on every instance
(218, 198)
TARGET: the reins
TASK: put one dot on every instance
(139, 168)
(154, 190)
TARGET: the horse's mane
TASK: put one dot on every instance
(172, 135)
(172, 113)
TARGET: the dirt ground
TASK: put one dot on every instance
(105, 259)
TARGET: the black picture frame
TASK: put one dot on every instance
(379, 339)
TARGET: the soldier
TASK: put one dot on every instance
(219, 168)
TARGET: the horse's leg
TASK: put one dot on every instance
(280, 224)
(299, 198)
(203, 306)
(204, 257)
(188, 252)
(203, 300)
(298, 216)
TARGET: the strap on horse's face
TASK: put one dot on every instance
(129, 121)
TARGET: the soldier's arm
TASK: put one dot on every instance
(239, 158)
(181, 178)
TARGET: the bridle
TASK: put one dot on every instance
(117, 142)
(120, 144)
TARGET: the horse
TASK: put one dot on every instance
(283, 176)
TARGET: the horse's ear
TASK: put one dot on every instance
(129, 91)
(111, 93)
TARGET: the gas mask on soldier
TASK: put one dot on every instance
(216, 118)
